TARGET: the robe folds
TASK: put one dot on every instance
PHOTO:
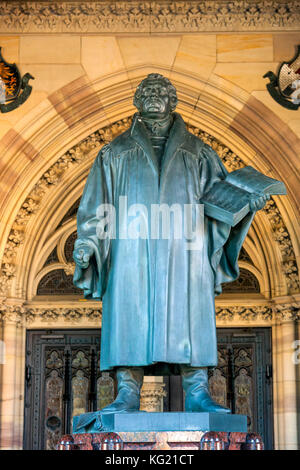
(158, 296)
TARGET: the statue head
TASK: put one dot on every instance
(155, 97)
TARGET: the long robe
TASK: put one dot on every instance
(158, 296)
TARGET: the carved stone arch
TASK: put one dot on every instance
(46, 242)
(46, 271)
(256, 250)
(256, 273)
(40, 268)
(57, 283)
(58, 240)
(52, 242)
(265, 253)
(83, 173)
(69, 246)
(247, 283)
(52, 232)
(212, 107)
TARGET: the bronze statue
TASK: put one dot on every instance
(158, 292)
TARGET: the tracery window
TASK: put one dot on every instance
(60, 282)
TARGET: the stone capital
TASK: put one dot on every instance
(152, 394)
(284, 312)
(13, 313)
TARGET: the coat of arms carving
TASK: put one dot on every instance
(285, 87)
(14, 89)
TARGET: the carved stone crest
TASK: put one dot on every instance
(285, 87)
(14, 90)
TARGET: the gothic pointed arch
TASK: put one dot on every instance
(56, 145)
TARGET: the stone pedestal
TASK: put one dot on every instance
(163, 431)
(156, 441)
(165, 422)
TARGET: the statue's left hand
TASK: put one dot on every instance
(82, 255)
(257, 201)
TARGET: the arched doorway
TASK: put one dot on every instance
(39, 213)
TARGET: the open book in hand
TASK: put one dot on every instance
(228, 200)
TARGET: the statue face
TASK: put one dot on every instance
(155, 100)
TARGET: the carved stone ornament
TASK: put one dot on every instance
(244, 313)
(80, 152)
(69, 269)
(13, 313)
(285, 87)
(49, 179)
(287, 311)
(69, 315)
(152, 394)
(27, 315)
(14, 90)
(283, 240)
(148, 16)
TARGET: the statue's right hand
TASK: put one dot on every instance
(82, 255)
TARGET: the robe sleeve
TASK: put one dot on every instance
(97, 191)
(225, 242)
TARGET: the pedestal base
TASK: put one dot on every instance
(155, 441)
(160, 431)
(157, 422)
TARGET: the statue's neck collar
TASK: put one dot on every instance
(158, 127)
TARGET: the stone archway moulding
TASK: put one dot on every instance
(44, 176)
(84, 151)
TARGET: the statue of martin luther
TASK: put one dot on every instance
(158, 296)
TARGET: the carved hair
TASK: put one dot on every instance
(156, 76)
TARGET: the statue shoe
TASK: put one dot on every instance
(130, 381)
(197, 397)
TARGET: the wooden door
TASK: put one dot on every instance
(62, 379)
(242, 381)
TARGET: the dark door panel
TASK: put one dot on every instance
(242, 381)
(62, 379)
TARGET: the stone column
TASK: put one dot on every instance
(12, 378)
(152, 394)
(285, 377)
